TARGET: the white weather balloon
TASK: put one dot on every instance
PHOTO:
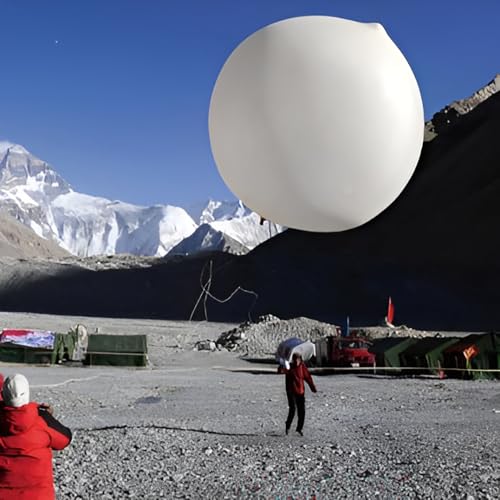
(317, 122)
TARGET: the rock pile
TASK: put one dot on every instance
(260, 339)
(377, 332)
(205, 345)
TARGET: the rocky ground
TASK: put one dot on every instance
(201, 425)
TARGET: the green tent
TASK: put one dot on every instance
(117, 350)
(387, 351)
(426, 354)
(496, 339)
(486, 357)
(64, 345)
(14, 353)
(11, 353)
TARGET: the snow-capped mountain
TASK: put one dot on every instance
(206, 238)
(35, 194)
(88, 225)
(85, 225)
(235, 220)
(211, 211)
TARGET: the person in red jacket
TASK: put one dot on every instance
(28, 434)
(294, 382)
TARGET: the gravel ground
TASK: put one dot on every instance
(214, 434)
(206, 432)
(200, 425)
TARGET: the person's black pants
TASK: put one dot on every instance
(296, 400)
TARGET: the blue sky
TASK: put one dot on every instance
(114, 94)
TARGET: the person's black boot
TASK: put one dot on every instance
(286, 430)
(300, 433)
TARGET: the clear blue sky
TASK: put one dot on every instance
(114, 94)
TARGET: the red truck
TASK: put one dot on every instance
(344, 351)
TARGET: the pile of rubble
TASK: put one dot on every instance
(260, 339)
(376, 332)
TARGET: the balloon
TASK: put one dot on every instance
(316, 122)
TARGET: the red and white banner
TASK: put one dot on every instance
(40, 339)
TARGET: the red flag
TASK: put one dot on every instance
(390, 311)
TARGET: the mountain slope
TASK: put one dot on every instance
(449, 115)
(18, 241)
(434, 251)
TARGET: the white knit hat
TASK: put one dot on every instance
(16, 390)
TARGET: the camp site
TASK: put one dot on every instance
(212, 392)
(249, 250)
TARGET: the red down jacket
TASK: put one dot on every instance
(28, 435)
(295, 377)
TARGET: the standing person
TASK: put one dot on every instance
(294, 382)
(28, 434)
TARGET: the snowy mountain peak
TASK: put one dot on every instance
(85, 225)
(212, 210)
(208, 239)
(5, 145)
(19, 168)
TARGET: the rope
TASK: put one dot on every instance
(403, 368)
(363, 368)
(205, 293)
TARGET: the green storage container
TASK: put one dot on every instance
(117, 350)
